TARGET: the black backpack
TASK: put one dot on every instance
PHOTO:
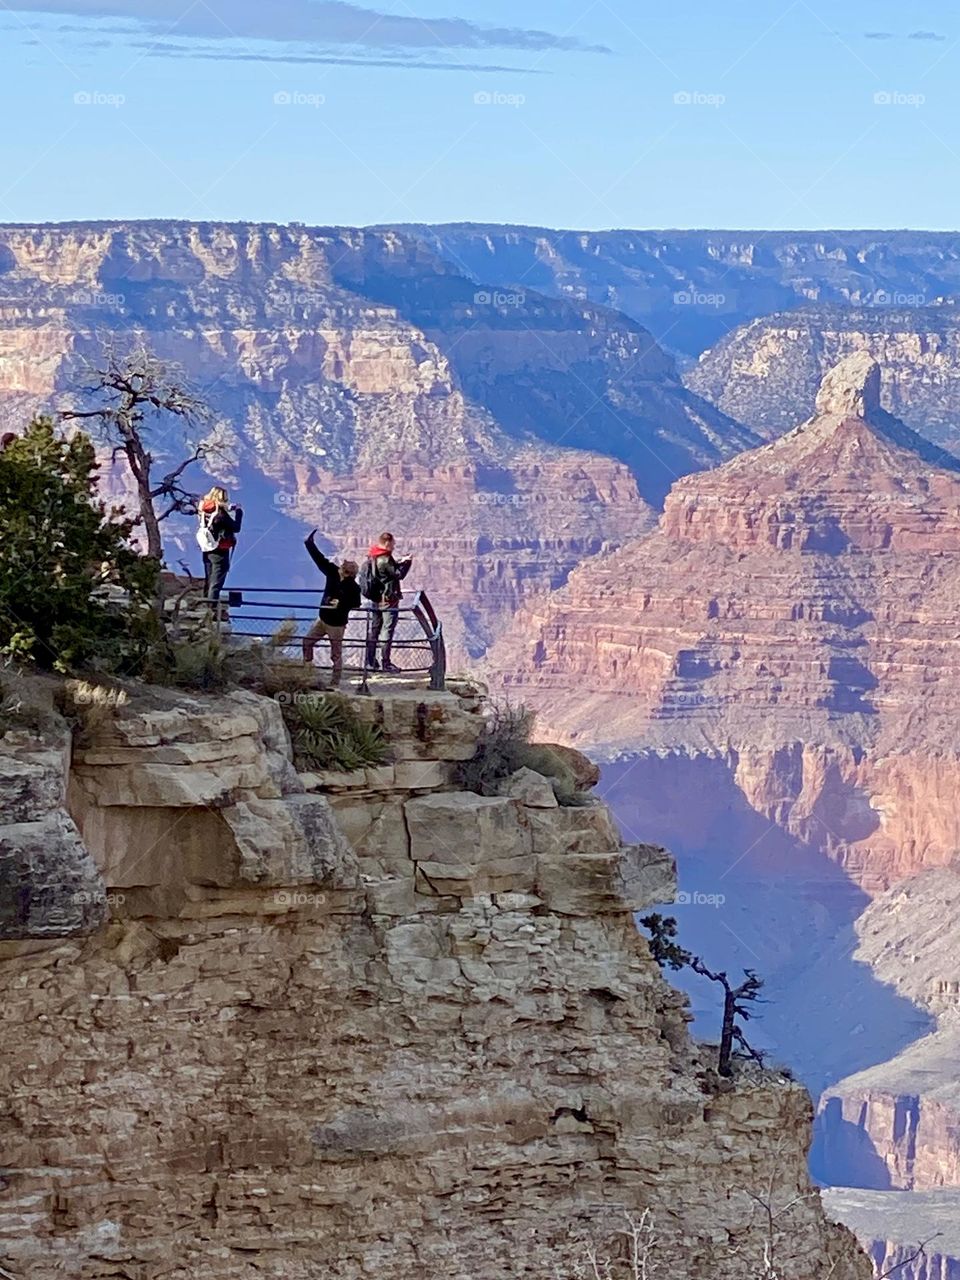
(371, 588)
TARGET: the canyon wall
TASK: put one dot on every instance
(895, 1123)
(925, 1221)
(789, 631)
(360, 382)
(368, 1023)
(766, 372)
(689, 288)
(773, 671)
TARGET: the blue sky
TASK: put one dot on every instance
(593, 113)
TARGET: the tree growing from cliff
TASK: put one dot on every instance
(73, 589)
(135, 395)
(669, 954)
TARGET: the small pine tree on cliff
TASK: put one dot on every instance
(669, 954)
(61, 551)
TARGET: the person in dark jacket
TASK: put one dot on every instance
(386, 575)
(340, 595)
(219, 525)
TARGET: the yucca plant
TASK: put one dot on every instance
(328, 734)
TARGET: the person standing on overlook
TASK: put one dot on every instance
(380, 583)
(219, 524)
(341, 594)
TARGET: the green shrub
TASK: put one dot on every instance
(201, 664)
(498, 751)
(327, 733)
(505, 747)
(541, 758)
(74, 592)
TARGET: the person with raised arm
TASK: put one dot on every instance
(341, 594)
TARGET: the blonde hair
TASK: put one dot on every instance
(217, 495)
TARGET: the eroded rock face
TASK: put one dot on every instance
(49, 885)
(376, 1070)
(691, 287)
(910, 1234)
(766, 372)
(787, 635)
(362, 383)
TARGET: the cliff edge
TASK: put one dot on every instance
(262, 1022)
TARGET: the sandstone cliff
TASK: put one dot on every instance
(361, 382)
(893, 1225)
(361, 1024)
(787, 636)
(766, 373)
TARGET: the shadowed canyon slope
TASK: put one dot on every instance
(896, 1123)
(767, 372)
(359, 380)
(790, 629)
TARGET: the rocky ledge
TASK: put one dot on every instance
(273, 1023)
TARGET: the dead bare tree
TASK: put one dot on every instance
(735, 1000)
(641, 1263)
(669, 954)
(132, 392)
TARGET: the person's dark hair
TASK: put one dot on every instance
(384, 537)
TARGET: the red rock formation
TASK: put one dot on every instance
(793, 622)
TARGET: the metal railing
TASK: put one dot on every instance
(282, 616)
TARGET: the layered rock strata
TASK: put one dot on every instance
(896, 1124)
(908, 1234)
(368, 1024)
(691, 287)
(788, 637)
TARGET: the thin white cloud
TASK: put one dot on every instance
(158, 49)
(314, 22)
(892, 35)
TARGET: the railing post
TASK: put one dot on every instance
(438, 672)
(363, 686)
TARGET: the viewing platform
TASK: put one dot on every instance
(282, 616)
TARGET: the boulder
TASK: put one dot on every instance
(586, 772)
(531, 789)
(581, 829)
(588, 884)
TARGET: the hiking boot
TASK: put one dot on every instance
(390, 667)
